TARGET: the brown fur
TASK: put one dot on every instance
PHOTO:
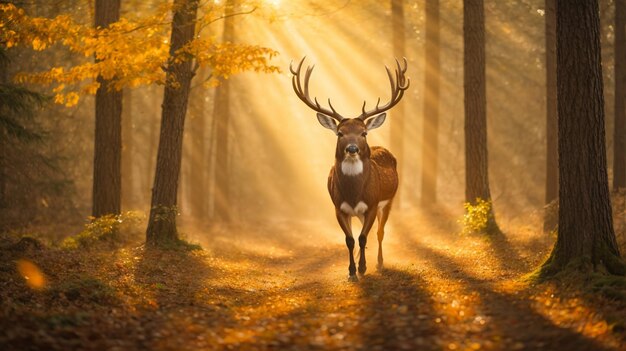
(378, 182)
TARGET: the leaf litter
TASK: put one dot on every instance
(262, 287)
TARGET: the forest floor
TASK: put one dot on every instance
(284, 286)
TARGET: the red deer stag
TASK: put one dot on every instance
(364, 180)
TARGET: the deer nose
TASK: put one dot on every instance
(352, 149)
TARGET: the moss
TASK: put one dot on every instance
(610, 286)
(175, 245)
(552, 269)
(610, 259)
(582, 273)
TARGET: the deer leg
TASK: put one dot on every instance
(370, 217)
(383, 215)
(346, 225)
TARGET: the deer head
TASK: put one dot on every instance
(351, 132)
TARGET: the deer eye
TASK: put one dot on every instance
(364, 134)
(339, 134)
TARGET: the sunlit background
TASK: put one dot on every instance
(278, 156)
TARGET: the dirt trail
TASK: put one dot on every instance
(439, 290)
(284, 286)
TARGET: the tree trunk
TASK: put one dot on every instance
(198, 152)
(4, 79)
(552, 167)
(476, 157)
(152, 148)
(163, 211)
(128, 192)
(585, 239)
(221, 114)
(430, 140)
(107, 177)
(397, 118)
(619, 147)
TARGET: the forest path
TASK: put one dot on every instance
(284, 286)
(439, 290)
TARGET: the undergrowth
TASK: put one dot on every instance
(112, 229)
(581, 275)
(478, 218)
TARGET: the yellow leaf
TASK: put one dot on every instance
(59, 88)
(32, 274)
(71, 99)
(38, 45)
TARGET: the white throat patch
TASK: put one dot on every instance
(352, 166)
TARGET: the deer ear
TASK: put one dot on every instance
(327, 122)
(375, 122)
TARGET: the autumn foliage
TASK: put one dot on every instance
(129, 53)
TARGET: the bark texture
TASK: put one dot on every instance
(128, 192)
(221, 114)
(430, 140)
(163, 211)
(397, 115)
(619, 148)
(107, 176)
(586, 239)
(198, 141)
(4, 79)
(552, 165)
(476, 157)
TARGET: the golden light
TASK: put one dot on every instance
(33, 276)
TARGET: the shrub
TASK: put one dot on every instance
(477, 217)
(112, 229)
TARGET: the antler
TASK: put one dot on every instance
(398, 86)
(303, 94)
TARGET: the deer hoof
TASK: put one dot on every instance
(353, 278)
(362, 269)
(379, 267)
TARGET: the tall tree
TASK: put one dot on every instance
(476, 157)
(221, 115)
(430, 139)
(153, 145)
(198, 151)
(162, 222)
(18, 127)
(128, 193)
(397, 122)
(552, 168)
(107, 176)
(585, 239)
(4, 80)
(619, 147)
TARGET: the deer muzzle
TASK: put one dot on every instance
(352, 149)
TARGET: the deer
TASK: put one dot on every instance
(364, 180)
